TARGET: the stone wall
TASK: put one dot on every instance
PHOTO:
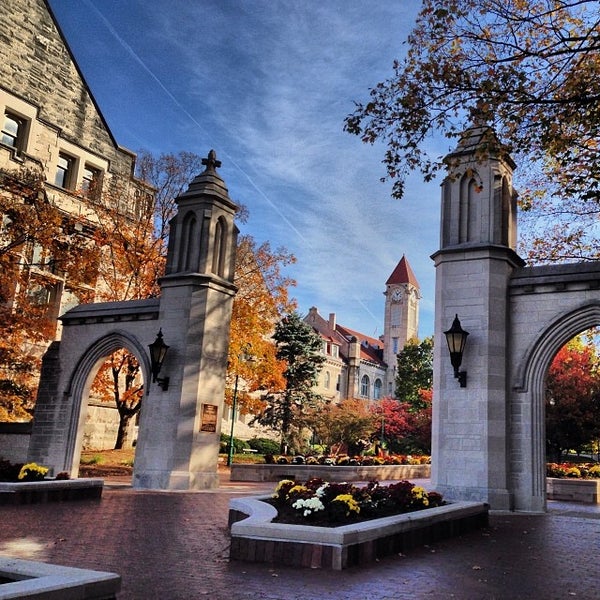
(14, 441)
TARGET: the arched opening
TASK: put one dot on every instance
(94, 383)
(529, 405)
(572, 402)
(114, 404)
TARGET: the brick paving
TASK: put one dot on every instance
(174, 546)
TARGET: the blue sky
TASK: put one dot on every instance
(267, 84)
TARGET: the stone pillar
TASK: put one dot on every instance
(473, 267)
(180, 427)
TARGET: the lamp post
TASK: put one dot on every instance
(233, 410)
(456, 337)
(243, 357)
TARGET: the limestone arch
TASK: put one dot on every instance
(531, 377)
(82, 377)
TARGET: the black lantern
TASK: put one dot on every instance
(456, 337)
(158, 351)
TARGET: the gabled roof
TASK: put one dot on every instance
(371, 348)
(402, 274)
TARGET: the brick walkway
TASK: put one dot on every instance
(173, 546)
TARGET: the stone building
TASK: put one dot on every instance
(51, 124)
(361, 366)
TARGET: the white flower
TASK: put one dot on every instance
(321, 491)
(308, 506)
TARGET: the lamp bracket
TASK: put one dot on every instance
(162, 382)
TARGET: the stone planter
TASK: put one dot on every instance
(50, 490)
(30, 579)
(251, 472)
(586, 491)
(255, 538)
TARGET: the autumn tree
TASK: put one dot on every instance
(530, 70)
(572, 399)
(414, 372)
(261, 301)
(348, 423)
(402, 429)
(40, 246)
(134, 253)
(299, 347)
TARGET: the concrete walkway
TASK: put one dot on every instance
(174, 546)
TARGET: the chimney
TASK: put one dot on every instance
(332, 321)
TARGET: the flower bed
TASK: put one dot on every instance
(573, 471)
(326, 504)
(276, 472)
(344, 460)
(257, 536)
(27, 484)
(29, 579)
(50, 490)
(570, 482)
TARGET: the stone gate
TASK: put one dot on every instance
(489, 437)
(178, 437)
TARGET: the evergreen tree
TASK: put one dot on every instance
(299, 347)
(414, 372)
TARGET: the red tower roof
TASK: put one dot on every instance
(403, 274)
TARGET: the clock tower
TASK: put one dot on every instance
(401, 321)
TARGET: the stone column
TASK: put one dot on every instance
(473, 267)
(180, 427)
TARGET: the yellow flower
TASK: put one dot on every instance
(420, 495)
(349, 501)
(32, 471)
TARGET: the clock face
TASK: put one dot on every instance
(396, 295)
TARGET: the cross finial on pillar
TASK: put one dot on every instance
(211, 162)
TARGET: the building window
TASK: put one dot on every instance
(364, 386)
(395, 345)
(13, 131)
(90, 183)
(64, 171)
(338, 384)
(42, 259)
(327, 380)
(377, 389)
(335, 351)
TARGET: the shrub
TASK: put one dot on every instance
(9, 471)
(264, 445)
(96, 459)
(238, 445)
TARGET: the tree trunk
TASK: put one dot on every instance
(124, 431)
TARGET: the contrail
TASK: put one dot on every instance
(191, 117)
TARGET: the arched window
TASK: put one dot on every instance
(377, 387)
(364, 386)
(327, 380)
